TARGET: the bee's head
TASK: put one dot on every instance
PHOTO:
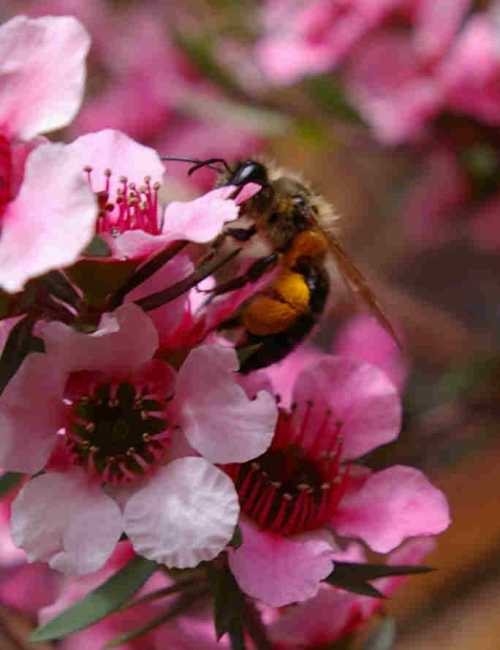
(248, 171)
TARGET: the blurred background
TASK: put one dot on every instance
(391, 109)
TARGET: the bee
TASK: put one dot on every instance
(297, 225)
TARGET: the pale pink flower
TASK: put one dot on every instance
(46, 218)
(96, 410)
(313, 37)
(333, 613)
(394, 92)
(470, 74)
(436, 23)
(127, 177)
(363, 339)
(303, 488)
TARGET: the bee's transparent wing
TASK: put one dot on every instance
(359, 286)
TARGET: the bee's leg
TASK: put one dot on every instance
(256, 271)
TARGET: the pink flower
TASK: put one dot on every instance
(98, 411)
(393, 91)
(42, 74)
(303, 488)
(334, 613)
(484, 226)
(363, 339)
(471, 73)
(126, 177)
(315, 36)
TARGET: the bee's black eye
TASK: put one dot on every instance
(273, 218)
(299, 200)
(249, 171)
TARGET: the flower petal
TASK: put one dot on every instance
(185, 514)
(217, 417)
(31, 412)
(42, 73)
(390, 506)
(51, 220)
(200, 220)
(124, 340)
(66, 521)
(360, 397)
(280, 570)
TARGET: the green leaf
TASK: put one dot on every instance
(104, 600)
(229, 606)
(19, 344)
(8, 482)
(383, 637)
(355, 576)
(97, 248)
(237, 538)
(361, 571)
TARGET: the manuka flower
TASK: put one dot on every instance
(304, 487)
(47, 215)
(100, 415)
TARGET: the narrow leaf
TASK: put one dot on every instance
(361, 571)
(19, 344)
(104, 600)
(180, 606)
(229, 605)
(354, 586)
(8, 482)
(97, 248)
(59, 286)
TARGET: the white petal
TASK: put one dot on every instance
(217, 417)
(184, 515)
(67, 522)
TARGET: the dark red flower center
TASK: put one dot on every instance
(115, 429)
(297, 484)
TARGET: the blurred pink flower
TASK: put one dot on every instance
(303, 486)
(42, 76)
(393, 90)
(106, 415)
(313, 37)
(484, 225)
(470, 74)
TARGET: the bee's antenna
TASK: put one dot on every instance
(198, 164)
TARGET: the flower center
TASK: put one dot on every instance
(128, 208)
(116, 429)
(5, 173)
(297, 484)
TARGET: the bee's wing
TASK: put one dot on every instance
(357, 283)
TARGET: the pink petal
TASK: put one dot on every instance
(214, 412)
(184, 515)
(67, 522)
(277, 570)
(412, 552)
(485, 225)
(51, 220)
(202, 219)
(113, 150)
(362, 338)
(437, 22)
(124, 340)
(360, 398)
(42, 73)
(390, 506)
(31, 412)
